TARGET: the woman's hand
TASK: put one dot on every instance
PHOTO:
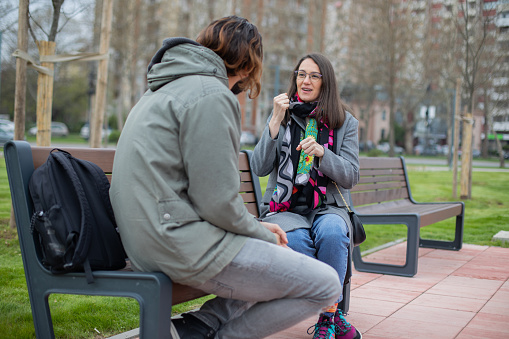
(282, 240)
(311, 147)
(281, 104)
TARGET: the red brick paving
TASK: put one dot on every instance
(455, 294)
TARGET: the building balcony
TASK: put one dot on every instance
(501, 126)
(502, 22)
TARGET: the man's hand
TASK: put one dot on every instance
(282, 240)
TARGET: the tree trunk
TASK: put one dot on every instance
(21, 73)
(366, 120)
(500, 150)
(134, 60)
(392, 118)
(455, 143)
(450, 126)
(21, 81)
(57, 5)
(409, 140)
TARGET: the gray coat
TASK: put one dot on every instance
(175, 179)
(342, 166)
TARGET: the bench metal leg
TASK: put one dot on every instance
(153, 291)
(344, 305)
(454, 245)
(412, 251)
(42, 317)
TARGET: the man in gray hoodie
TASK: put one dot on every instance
(175, 193)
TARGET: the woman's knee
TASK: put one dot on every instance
(330, 226)
(300, 241)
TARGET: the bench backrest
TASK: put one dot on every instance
(381, 179)
(103, 157)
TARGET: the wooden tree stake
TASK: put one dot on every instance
(45, 96)
(466, 151)
(97, 116)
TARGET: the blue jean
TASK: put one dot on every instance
(266, 289)
(327, 240)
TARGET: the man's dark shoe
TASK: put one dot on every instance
(190, 327)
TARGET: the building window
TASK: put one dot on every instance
(382, 136)
(383, 116)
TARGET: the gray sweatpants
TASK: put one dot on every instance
(266, 289)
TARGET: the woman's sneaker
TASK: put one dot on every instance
(323, 329)
(344, 330)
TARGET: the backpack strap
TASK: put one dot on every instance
(102, 185)
(65, 160)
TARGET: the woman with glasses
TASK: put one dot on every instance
(310, 149)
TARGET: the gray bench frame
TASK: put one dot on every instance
(154, 291)
(383, 196)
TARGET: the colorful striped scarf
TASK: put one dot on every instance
(297, 174)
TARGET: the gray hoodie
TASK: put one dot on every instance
(175, 179)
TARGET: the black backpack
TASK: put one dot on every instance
(73, 216)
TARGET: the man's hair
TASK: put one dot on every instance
(239, 44)
(330, 106)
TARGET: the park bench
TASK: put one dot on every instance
(154, 291)
(383, 196)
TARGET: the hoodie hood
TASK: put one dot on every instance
(179, 57)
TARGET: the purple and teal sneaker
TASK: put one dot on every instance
(344, 330)
(323, 329)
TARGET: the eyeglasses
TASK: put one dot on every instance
(314, 76)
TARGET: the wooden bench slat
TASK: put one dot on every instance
(103, 157)
(366, 180)
(371, 171)
(429, 213)
(252, 207)
(363, 198)
(403, 206)
(245, 176)
(243, 162)
(248, 197)
(385, 207)
(379, 186)
(369, 162)
(246, 187)
(447, 211)
(182, 293)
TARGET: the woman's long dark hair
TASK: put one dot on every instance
(330, 107)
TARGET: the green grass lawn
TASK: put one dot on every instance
(98, 317)
(72, 138)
